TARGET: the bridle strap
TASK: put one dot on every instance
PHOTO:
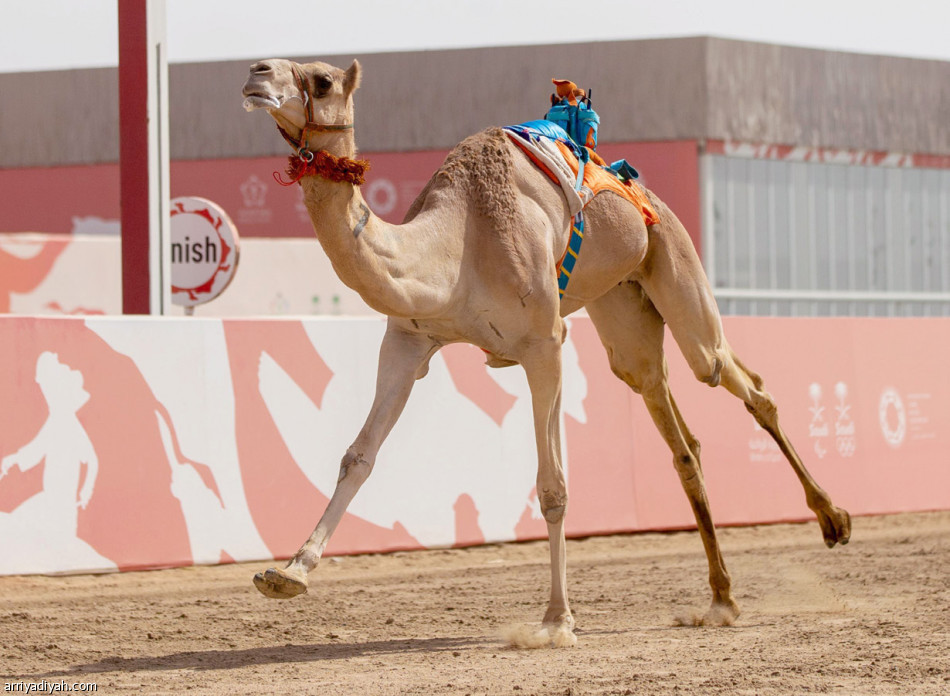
(302, 88)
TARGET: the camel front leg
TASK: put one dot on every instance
(543, 369)
(401, 359)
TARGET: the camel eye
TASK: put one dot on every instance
(322, 83)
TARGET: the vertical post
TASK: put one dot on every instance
(143, 157)
(707, 215)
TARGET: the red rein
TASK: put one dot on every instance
(327, 166)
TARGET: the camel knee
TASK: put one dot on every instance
(687, 466)
(708, 369)
(695, 448)
(627, 378)
(355, 467)
(553, 505)
(762, 407)
(641, 377)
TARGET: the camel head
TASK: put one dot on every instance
(303, 99)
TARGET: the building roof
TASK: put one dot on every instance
(646, 90)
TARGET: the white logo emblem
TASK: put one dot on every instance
(254, 195)
(818, 427)
(762, 447)
(893, 418)
(381, 195)
(844, 425)
(254, 191)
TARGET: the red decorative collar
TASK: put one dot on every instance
(325, 165)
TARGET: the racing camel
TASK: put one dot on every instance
(476, 260)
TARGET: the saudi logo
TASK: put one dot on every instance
(844, 425)
(893, 418)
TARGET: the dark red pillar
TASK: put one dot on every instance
(133, 154)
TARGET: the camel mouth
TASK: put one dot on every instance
(260, 101)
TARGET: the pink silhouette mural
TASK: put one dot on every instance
(466, 365)
(45, 525)
(134, 443)
(282, 500)
(467, 530)
(131, 516)
(24, 273)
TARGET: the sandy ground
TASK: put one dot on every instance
(869, 618)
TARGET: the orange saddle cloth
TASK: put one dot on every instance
(598, 179)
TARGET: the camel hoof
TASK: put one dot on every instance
(720, 613)
(557, 631)
(562, 637)
(560, 630)
(526, 637)
(279, 584)
(835, 526)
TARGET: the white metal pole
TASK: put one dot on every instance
(158, 159)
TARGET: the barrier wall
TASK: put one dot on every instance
(141, 443)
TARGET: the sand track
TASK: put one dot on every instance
(869, 618)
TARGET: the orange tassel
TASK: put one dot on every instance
(326, 166)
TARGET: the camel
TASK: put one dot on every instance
(475, 261)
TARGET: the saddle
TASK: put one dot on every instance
(582, 175)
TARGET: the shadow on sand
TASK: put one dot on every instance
(289, 653)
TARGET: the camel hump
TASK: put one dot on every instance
(480, 170)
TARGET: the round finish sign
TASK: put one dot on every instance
(205, 248)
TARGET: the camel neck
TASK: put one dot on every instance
(338, 144)
(378, 260)
(335, 203)
(347, 230)
(332, 205)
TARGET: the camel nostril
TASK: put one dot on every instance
(260, 68)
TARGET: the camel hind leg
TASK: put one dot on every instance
(632, 332)
(835, 522)
(675, 282)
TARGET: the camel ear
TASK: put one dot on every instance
(351, 78)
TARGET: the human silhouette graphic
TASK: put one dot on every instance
(45, 524)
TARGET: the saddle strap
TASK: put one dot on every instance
(566, 265)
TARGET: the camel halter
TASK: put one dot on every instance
(320, 163)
